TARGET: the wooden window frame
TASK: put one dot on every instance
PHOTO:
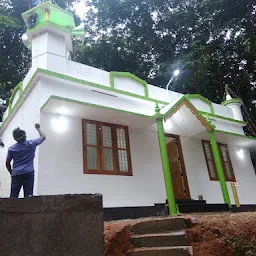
(100, 147)
(216, 178)
(233, 179)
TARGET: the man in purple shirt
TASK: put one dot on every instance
(23, 153)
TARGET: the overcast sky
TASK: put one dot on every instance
(80, 8)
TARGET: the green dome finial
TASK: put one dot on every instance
(157, 109)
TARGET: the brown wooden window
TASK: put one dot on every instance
(226, 162)
(225, 158)
(210, 161)
(106, 148)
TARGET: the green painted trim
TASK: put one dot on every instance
(54, 97)
(114, 74)
(17, 88)
(175, 106)
(219, 167)
(19, 100)
(198, 96)
(186, 98)
(80, 81)
(157, 112)
(46, 103)
(41, 5)
(50, 24)
(235, 100)
(222, 117)
(56, 16)
(236, 134)
(76, 80)
(21, 87)
(166, 168)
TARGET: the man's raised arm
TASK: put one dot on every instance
(42, 135)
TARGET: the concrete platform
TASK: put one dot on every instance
(63, 225)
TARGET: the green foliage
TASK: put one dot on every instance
(14, 56)
(10, 62)
(212, 43)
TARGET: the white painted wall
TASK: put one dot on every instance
(228, 126)
(5, 114)
(162, 94)
(54, 46)
(200, 183)
(5, 180)
(200, 105)
(236, 109)
(45, 45)
(49, 52)
(61, 168)
(39, 45)
(59, 165)
(61, 171)
(129, 85)
(85, 94)
(245, 175)
(77, 70)
(41, 61)
(28, 77)
(25, 118)
(222, 110)
(80, 71)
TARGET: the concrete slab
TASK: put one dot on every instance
(52, 225)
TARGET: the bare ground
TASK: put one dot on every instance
(224, 234)
(116, 237)
(218, 234)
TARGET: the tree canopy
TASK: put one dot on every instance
(14, 56)
(212, 43)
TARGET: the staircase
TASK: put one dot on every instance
(160, 237)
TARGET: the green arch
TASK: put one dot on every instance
(114, 74)
(198, 96)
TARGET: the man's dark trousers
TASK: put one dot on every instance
(26, 180)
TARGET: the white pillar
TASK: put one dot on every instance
(49, 50)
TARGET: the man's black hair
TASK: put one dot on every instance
(19, 135)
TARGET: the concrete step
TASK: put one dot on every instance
(177, 238)
(159, 226)
(162, 251)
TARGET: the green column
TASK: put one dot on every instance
(166, 167)
(219, 167)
